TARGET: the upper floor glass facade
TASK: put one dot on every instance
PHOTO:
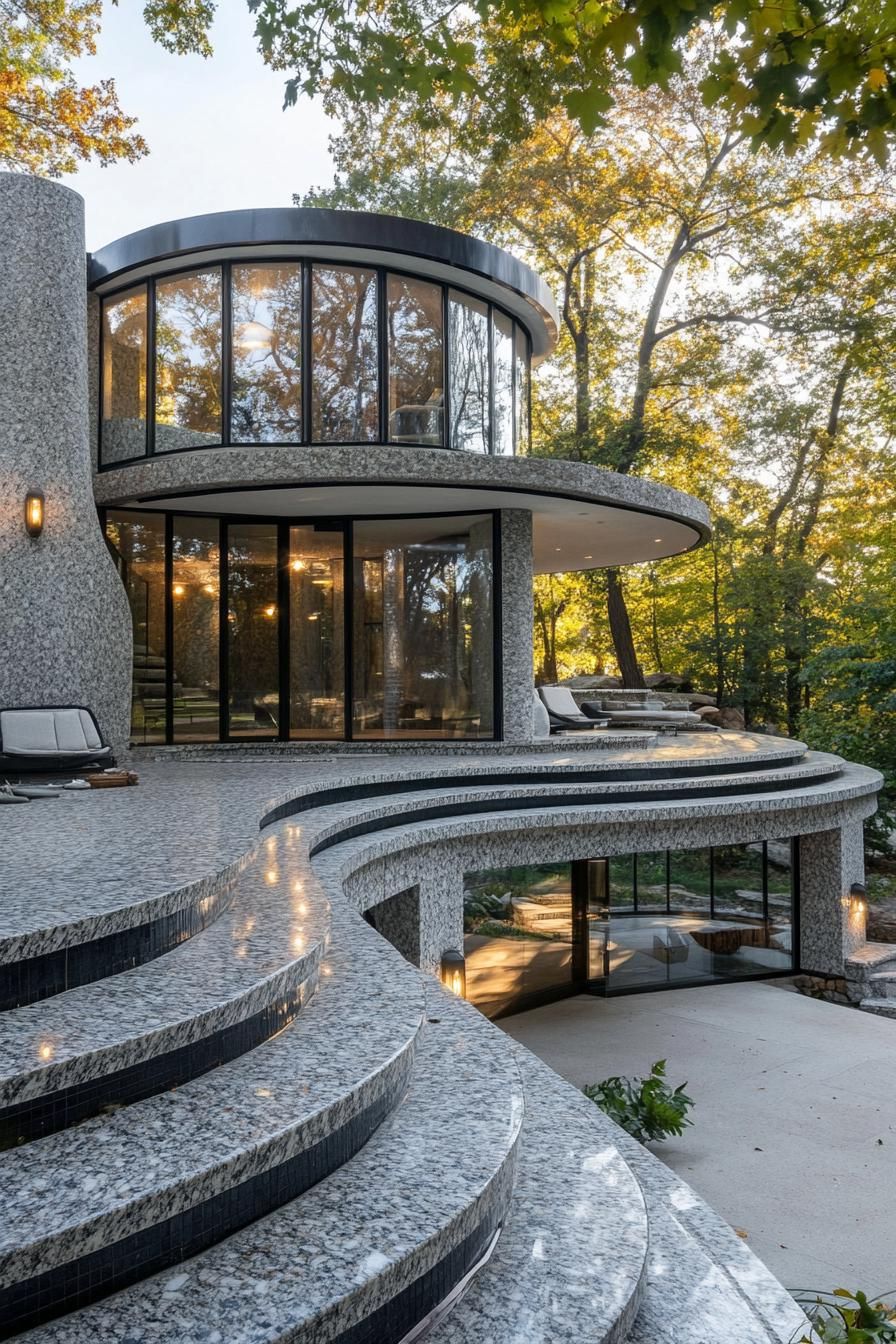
(308, 352)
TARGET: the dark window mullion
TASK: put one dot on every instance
(382, 336)
(446, 358)
(169, 627)
(283, 629)
(223, 634)
(348, 631)
(226, 352)
(151, 367)
(307, 386)
(490, 437)
(712, 882)
(765, 881)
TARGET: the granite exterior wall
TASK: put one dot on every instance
(65, 628)
(830, 930)
(517, 621)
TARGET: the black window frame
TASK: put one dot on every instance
(306, 263)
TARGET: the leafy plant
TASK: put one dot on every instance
(844, 1317)
(647, 1108)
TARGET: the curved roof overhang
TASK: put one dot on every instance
(348, 236)
(583, 517)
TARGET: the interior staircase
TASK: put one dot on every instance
(271, 1127)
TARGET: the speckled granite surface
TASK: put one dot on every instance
(438, 1169)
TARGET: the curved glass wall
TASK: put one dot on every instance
(635, 922)
(367, 629)
(296, 352)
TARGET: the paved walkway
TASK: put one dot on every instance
(794, 1137)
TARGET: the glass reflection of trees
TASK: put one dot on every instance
(416, 361)
(468, 373)
(188, 361)
(266, 397)
(252, 630)
(195, 592)
(344, 406)
(137, 542)
(502, 441)
(124, 376)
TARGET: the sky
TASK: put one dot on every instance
(217, 136)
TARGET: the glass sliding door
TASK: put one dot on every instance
(423, 628)
(253, 644)
(196, 605)
(137, 542)
(316, 633)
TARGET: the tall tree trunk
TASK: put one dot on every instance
(583, 391)
(717, 623)
(621, 630)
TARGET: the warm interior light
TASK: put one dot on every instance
(178, 590)
(34, 513)
(314, 617)
(209, 588)
(453, 972)
(271, 610)
(299, 565)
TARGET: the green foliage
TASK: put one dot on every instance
(647, 1108)
(845, 1317)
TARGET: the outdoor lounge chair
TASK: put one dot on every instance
(51, 737)
(563, 712)
(643, 715)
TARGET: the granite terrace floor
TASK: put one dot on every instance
(794, 1136)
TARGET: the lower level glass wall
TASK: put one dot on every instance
(373, 628)
(635, 922)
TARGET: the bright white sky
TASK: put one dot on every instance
(217, 136)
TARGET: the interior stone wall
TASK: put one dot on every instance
(65, 628)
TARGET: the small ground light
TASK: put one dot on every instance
(453, 972)
(34, 513)
(857, 898)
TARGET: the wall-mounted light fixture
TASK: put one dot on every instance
(857, 898)
(34, 513)
(453, 972)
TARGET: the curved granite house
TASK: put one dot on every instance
(290, 527)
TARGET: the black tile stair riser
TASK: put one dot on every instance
(36, 978)
(396, 1318)
(435, 811)
(380, 788)
(70, 1105)
(96, 1275)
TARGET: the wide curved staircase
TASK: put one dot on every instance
(244, 1117)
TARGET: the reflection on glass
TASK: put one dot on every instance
(651, 874)
(195, 605)
(517, 935)
(266, 401)
(188, 361)
(737, 871)
(502, 364)
(689, 879)
(780, 899)
(316, 635)
(521, 382)
(344, 355)
(468, 372)
(423, 628)
(416, 373)
(124, 376)
(622, 882)
(597, 917)
(252, 629)
(137, 541)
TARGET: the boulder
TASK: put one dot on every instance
(709, 713)
(697, 698)
(594, 683)
(667, 680)
(729, 717)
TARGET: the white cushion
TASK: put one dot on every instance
(541, 724)
(559, 700)
(48, 732)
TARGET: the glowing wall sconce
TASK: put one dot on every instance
(857, 899)
(34, 513)
(453, 972)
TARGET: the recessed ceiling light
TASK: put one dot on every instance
(589, 557)
(657, 540)
(558, 548)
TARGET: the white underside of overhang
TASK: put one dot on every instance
(569, 534)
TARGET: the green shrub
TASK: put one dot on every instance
(842, 1317)
(647, 1108)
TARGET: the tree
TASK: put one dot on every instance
(48, 122)
(786, 73)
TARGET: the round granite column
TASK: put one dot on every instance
(517, 620)
(65, 627)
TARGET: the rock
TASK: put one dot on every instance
(697, 698)
(595, 683)
(709, 713)
(729, 717)
(668, 680)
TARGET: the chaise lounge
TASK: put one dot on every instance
(51, 737)
(563, 712)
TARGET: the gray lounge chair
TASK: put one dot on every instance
(563, 712)
(51, 737)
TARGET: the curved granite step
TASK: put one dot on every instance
(116, 1040)
(366, 1253)
(571, 1261)
(127, 1194)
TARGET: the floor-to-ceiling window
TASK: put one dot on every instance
(642, 921)
(367, 628)
(423, 627)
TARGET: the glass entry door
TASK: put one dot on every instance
(591, 917)
(316, 598)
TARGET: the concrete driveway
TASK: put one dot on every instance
(794, 1137)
